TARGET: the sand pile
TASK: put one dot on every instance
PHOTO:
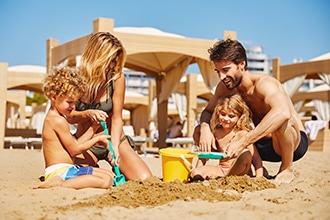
(153, 192)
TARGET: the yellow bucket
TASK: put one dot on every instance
(173, 166)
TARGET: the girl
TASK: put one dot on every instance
(229, 122)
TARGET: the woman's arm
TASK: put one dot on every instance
(76, 117)
(116, 117)
(92, 115)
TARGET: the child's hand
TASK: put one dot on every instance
(110, 159)
(104, 140)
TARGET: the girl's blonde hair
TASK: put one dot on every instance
(102, 50)
(63, 81)
(238, 106)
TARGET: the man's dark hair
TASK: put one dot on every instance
(230, 50)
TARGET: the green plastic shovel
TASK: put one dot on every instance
(119, 178)
(210, 155)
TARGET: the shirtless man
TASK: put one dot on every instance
(279, 134)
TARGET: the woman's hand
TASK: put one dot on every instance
(97, 115)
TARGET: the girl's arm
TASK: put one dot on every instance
(256, 161)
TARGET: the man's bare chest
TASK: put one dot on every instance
(257, 106)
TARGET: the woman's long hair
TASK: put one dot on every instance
(103, 50)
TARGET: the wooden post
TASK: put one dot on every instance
(162, 113)
(230, 35)
(151, 96)
(276, 69)
(191, 94)
(3, 101)
(22, 112)
(50, 44)
(103, 24)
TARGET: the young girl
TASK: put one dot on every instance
(63, 87)
(230, 121)
(102, 64)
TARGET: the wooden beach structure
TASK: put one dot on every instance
(165, 58)
(14, 82)
(311, 70)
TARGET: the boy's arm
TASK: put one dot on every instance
(89, 134)
(71, 144)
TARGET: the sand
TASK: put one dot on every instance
(306, 197)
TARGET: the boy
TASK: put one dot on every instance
(63, 87)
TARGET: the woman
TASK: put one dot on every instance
(102, 63)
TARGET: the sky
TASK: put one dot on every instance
(285, 29)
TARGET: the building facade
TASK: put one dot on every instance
(258, 62)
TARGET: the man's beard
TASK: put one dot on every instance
(234, 82)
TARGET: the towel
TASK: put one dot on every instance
(313, 127)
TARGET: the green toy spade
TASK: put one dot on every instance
(119, 178)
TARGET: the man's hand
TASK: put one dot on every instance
(234, 149)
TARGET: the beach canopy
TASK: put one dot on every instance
(164, 56)
(292, 76)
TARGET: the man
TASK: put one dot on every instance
(279, 134)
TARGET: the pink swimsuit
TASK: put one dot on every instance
(224, 168)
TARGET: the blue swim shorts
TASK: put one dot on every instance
(67, 171)
(77, 170)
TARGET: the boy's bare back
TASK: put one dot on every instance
(56, 129)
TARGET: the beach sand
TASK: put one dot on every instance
(306, 197)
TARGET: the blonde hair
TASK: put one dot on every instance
(238, 106)
(102, 49)
(63, 81)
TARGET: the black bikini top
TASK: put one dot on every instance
(104, 106)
